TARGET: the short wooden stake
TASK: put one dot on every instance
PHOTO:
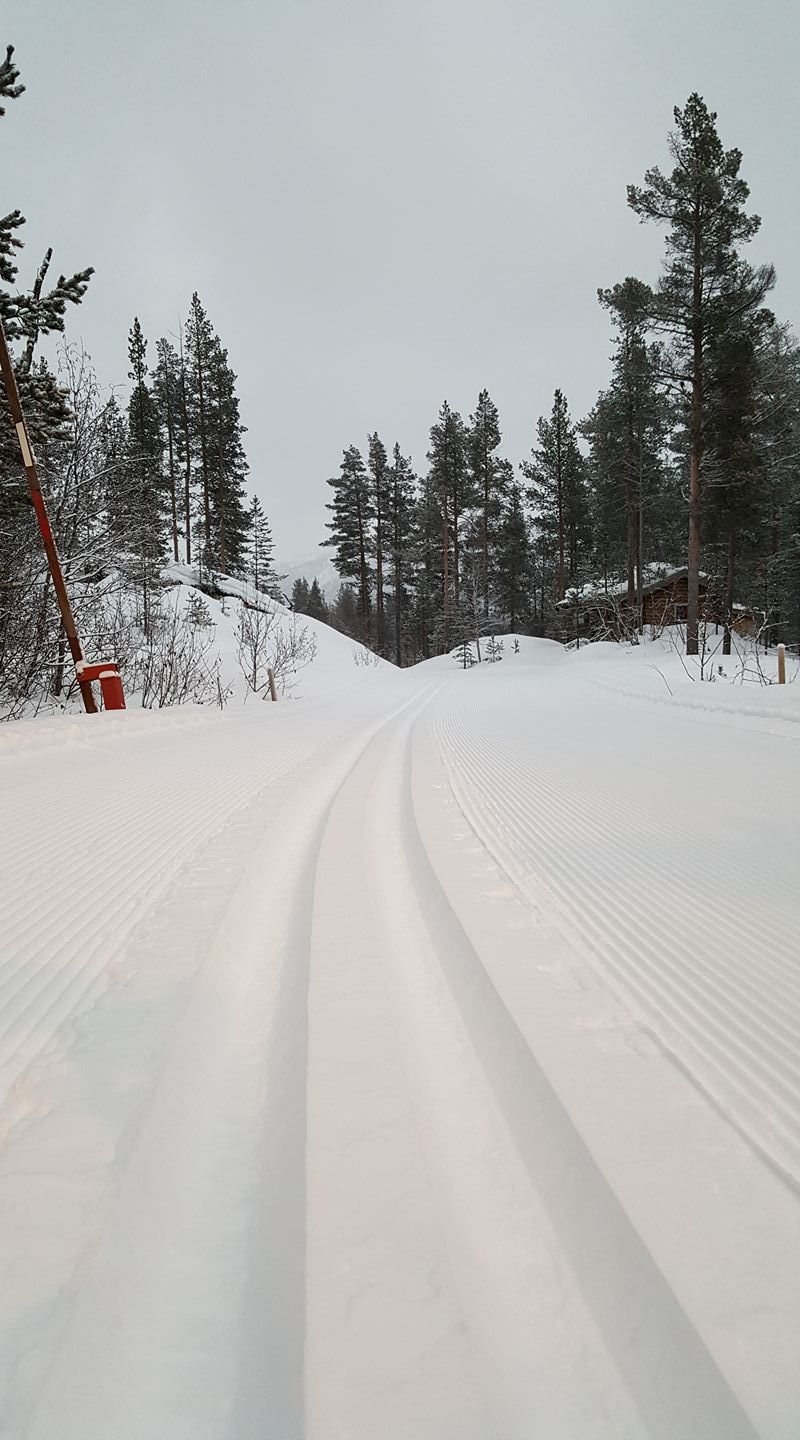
(271, 677)
(781, 664)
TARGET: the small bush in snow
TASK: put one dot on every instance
(268, 640)
(174, 664)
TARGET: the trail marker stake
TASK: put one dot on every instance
(781, 664)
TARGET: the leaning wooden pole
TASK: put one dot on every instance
(15, 405)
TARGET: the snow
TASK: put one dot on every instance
(414, 1057)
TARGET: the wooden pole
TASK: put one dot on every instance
(271, 678)
(28, 460)
(781, 664)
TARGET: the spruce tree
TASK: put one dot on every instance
(450, 477)
(167, 398)
(227, 466)
(703, 288)
(630, 501)
(514, 574)
(379, 475)
(733, 493)
(430, 636)
(185, 441)
(199, 344)
(137, 516)
(300, 591)
(344, 614)
(316, 604)
(558, 493)
(261, 551)
(401, 511)
(353, 513)
(489, 482)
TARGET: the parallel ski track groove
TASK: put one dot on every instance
(662, 1358)
(30, 1005)
(715, 1016)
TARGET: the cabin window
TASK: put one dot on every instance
(681, 613)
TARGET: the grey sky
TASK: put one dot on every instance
(380, 204)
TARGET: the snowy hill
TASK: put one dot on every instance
(328, 659)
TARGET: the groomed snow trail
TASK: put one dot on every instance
(341, 1094)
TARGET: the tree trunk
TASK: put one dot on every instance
(203, 443)
(445, 576)
(379, 569)
(398, 579)
(696, 453)
(560, 578)
(223, 556)
(187, 495)
(630, 508)
(486, 489)
(172, 486)
(729, 584)
(362, 560)
(456, 557)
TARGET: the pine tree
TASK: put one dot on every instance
(489, 479)
(300, 592)
(344, 615)
(514, 575)
(316, 604)
(401, 507)
(261, 551)
(632, 509)
(213, 444)
(449, 474)
(378, 466)
(733, 495)
(703, 286)
(199, 344)
(227, 466)
(167, 398)
(137, 516)
(353, 513)
(428, 613)
(40, 313)
(558, 493)
(185, 441)
(773, 566)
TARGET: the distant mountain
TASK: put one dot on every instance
(316, 566)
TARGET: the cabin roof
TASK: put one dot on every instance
(655, 577)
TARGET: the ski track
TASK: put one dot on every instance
(655, 1359)
(719, 988)
(114, 860)
(351, 1202)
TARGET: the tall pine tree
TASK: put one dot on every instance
(353, 513)
(703, 289)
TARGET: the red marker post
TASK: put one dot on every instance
(68, 619)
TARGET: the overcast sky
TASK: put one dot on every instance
(382, 205)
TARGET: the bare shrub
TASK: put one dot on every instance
(175, 662)
(268, 640)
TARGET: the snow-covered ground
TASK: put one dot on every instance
(416, 1057)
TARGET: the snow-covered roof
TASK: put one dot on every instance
(653, 577)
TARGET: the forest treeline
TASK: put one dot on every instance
(689, 457)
